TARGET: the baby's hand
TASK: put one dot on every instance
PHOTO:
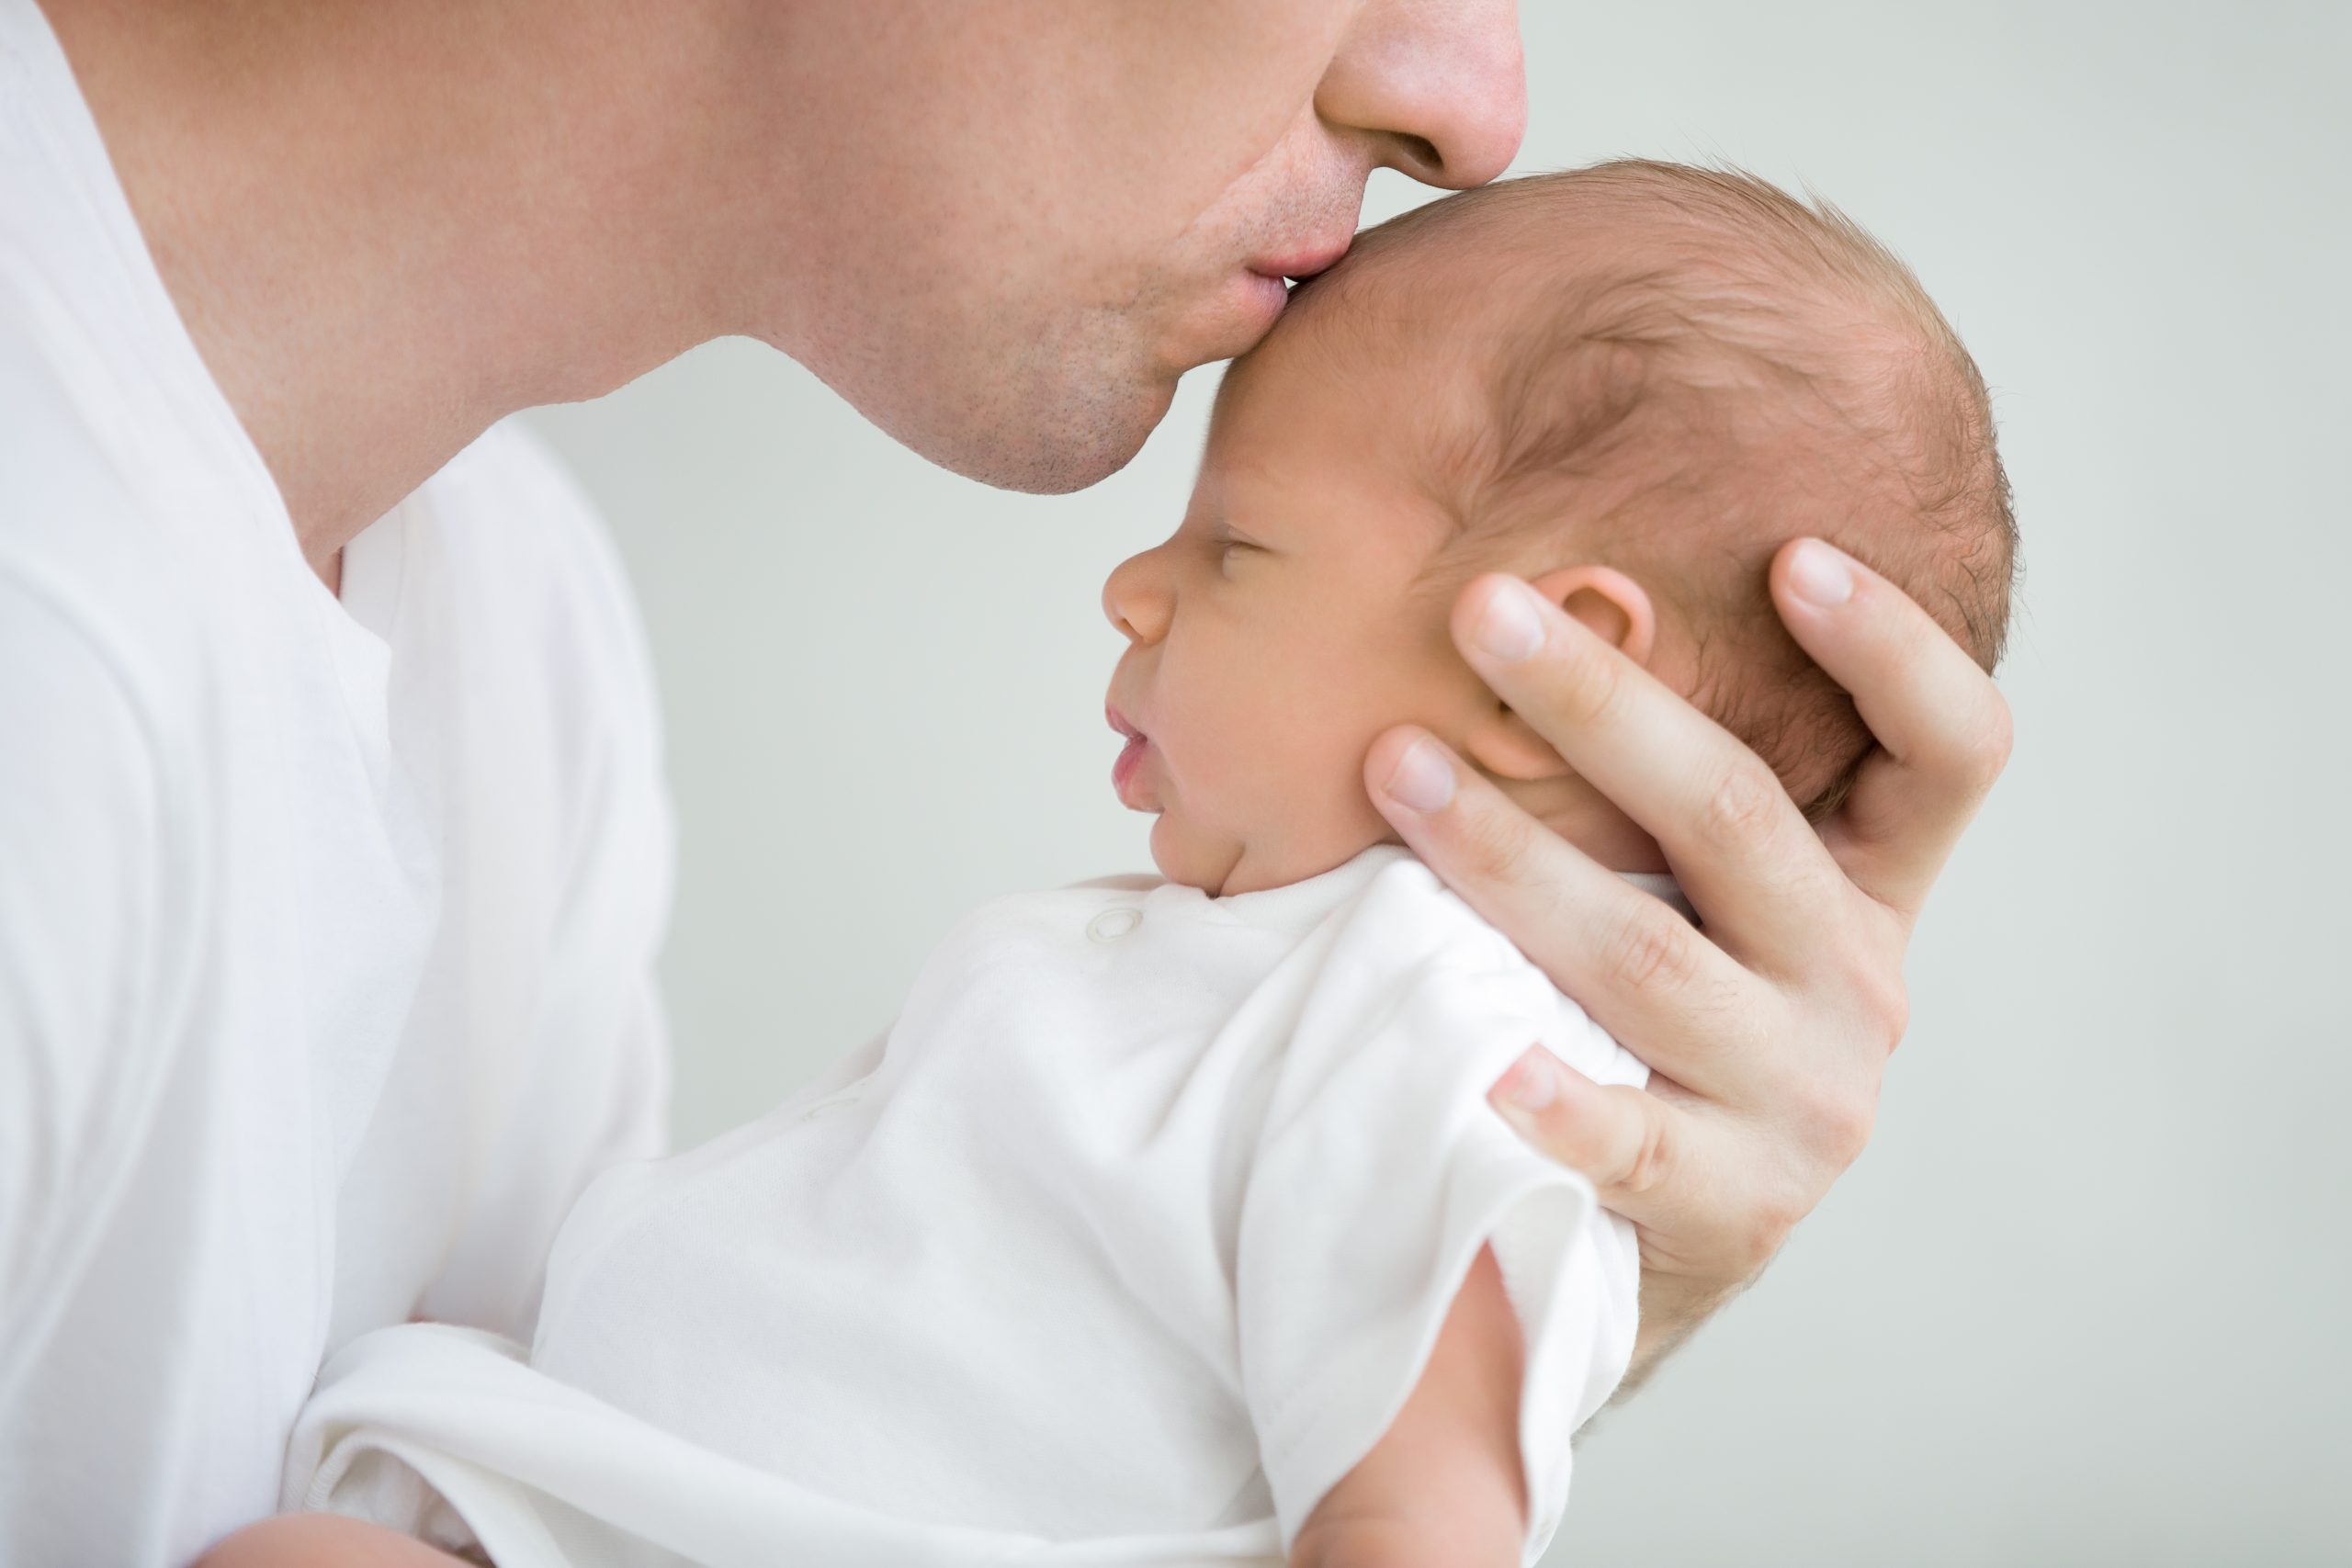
(1444, 1485)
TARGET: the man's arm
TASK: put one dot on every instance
(85, 1067)
(1768, 1027)
(80, 1063)
(1444, 1484)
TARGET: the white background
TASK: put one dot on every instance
(2085, 1300)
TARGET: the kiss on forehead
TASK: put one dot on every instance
(1614, 383)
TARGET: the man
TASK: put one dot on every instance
(333, 856)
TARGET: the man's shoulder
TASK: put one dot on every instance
(528, 560)
(511, 481)
(90, 652)
(515, 613)
(62, 476)
(510, 513)
(79, 535)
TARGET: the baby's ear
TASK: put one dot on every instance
(1613, 607)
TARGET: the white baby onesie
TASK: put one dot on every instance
(1125, 1244)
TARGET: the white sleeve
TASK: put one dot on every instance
(85, 1058)
(1380, 1172)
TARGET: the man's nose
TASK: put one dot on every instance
(1137, 602)
(1442, 84)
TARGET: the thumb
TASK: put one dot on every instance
(1625, 1141)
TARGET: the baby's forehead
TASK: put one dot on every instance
(1498, 273)
(1419, 339)
(1500, 326)
(1429, 297)
(1402, 331)
(1425, 306)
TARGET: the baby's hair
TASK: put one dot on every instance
(1682, 370)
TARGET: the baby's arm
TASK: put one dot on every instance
(323, 1541)
(1443, 1485)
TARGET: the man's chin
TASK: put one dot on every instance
(1084, 447)
(1051, 441)
(1056, 469)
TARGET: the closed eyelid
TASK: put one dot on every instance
(1230, 550)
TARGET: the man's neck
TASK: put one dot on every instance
(387, 226)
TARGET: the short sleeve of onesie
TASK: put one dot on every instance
(1380, 1172)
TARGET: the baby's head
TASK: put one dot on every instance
(1630, 385)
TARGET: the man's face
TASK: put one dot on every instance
(1023, 220)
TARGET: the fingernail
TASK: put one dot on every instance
(1532, 1083)
(1420, 781)
(1511, 625)
(1820, 575)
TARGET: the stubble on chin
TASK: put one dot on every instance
(1047, 416)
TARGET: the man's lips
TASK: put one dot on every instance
(1299, 265)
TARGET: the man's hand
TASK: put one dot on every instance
(1769, 1025)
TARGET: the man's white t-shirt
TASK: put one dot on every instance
(326, 927)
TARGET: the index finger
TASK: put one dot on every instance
(1642, 971)
(1941, 726)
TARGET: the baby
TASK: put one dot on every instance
(1170, 1224)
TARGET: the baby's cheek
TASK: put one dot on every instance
(1323, 818)
(1271, 776)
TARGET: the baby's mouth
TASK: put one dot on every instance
(1123, 771)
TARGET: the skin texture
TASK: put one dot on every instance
(312, 1540)
(999, 232)
(1299, 610)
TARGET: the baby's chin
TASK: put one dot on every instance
(1223, 864)
(1192, 858)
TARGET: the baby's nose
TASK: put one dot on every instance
(1134, 603)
